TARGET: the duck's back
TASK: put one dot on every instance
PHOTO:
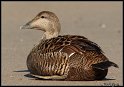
(69, 55)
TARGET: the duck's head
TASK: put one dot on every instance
(46, 21)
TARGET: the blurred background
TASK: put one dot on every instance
(100, 22)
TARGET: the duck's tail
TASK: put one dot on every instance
(104, 65)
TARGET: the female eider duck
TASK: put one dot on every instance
(68, 57)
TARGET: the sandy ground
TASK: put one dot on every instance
(100, 22)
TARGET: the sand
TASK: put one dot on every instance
(100, 22)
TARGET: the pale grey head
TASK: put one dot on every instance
(46, 21)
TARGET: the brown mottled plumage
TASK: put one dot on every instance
(68, 57)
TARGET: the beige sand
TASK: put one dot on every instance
(101, 22)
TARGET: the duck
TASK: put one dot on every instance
(64, 57)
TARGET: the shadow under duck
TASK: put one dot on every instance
(67, 57)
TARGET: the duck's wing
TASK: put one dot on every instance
(77, 43)
(85, 45)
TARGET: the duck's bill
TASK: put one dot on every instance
(25, 27)
(29, 27)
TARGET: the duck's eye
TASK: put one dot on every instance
(42, 17)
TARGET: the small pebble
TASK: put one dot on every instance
(119, 31)
(21, 40)
(103, 25)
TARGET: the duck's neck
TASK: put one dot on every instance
(48, 35)
(52, 31)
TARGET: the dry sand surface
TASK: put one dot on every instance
(100, 22)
